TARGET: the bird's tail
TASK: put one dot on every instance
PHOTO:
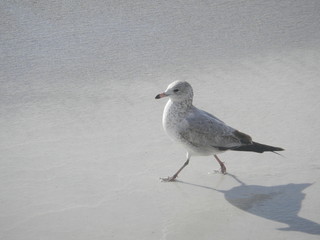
(257, 147)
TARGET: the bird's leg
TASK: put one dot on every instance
(171, 179)
(223, 167)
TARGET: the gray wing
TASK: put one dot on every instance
(202, 129)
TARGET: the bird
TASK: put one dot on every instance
(201, 133)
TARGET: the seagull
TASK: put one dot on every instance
(201, 133)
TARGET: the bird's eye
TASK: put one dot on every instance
(176, 90)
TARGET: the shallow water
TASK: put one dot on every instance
(82, 146)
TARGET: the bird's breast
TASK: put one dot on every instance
(173, 119)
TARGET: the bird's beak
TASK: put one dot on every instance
(161, 95)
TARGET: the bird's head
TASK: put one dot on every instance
(177, 91)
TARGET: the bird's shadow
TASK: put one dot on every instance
(277, 203)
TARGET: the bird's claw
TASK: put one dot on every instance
(168, 179)
(221, 171)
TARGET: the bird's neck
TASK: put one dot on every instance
(180, 106)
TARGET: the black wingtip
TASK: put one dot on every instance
(278, 149)
(257, 147)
